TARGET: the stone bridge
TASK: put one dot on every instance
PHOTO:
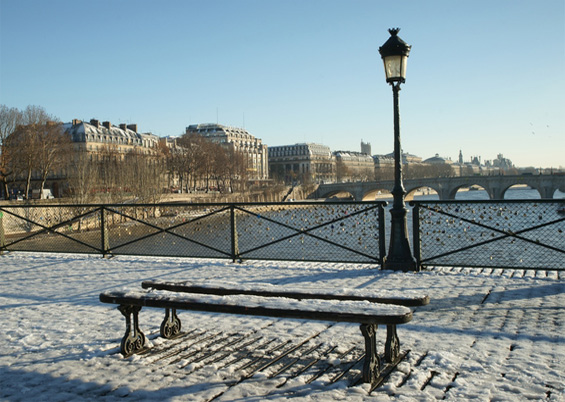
(447, 187)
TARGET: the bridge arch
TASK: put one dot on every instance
(471, 188)
(375, 193)
(339, 193)
(412, 191)
(509, 195)
(558, 194)
(414, 187)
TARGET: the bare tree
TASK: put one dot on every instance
(25, 143)
(168, 160)
(208, 163)
(143, 176)
(277, 173)
(82, 177)
(111, 183)
(342, 171)
(238, 173)
(363, 174)
(221, 170)
(186, 159)
(385, 172)
(23, 146)
(54, 146)
(196, 160)
(9, 120)
(36, 115)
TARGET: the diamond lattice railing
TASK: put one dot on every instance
(492, 234)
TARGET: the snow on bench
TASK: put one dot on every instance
(403, 298)
(368, 314)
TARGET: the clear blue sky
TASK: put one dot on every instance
(484, 76)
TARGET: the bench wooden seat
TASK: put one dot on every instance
(404, 298)
(369, 315)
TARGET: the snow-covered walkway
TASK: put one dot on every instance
(486, 335)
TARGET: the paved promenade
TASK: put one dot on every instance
(486, 335)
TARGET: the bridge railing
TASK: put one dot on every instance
(298, 231)
(528, 234)
(496, 234)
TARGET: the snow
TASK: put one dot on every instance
(267, 287)
(358, 308)
(487, 334)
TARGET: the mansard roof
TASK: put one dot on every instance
(353, 155)
(80, 131)
(77, 128)
(303, 148)
(211, 129)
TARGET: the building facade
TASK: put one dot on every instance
(354, 166)
(239, 140)
(94, 137)
(306, 162)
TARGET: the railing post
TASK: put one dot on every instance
(382, 234)
(416, 233)
(234, 242)
(2, 239)
(105, 241)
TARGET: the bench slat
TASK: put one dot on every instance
(386, 297)
(345, 311)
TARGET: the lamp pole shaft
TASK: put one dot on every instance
(398, 191)
(399, 255)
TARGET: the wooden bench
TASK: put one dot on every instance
(316, 307)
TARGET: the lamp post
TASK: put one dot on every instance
(395, 55)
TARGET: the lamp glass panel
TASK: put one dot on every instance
(403, 66)
(395, 67)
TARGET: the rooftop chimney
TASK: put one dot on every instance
(107, 124)
(133, 127)
(76, 122)
(123, 126)
(95, 123)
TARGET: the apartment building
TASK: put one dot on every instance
(240, 140)
(303, 163)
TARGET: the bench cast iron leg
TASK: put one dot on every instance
(372, 364)
(171, 325)
(392, 344)
(133, 340)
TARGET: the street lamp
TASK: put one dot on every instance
(395, 55)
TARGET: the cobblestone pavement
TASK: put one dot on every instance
(486, 335)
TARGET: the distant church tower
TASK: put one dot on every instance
(460, 157)
(365, 147)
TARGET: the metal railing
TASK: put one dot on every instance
(528, 234)
(298, 231)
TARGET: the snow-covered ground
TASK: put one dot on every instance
(486, 335)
